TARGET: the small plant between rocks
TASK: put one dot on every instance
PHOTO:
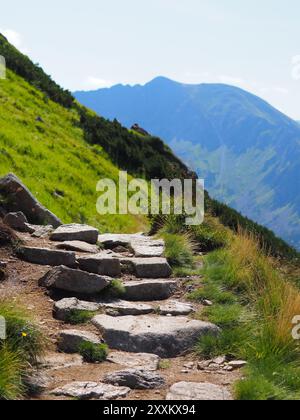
(77, 317)
(93, 353)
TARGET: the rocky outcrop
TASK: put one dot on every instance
(19, 198)
(75, 281)
(75, 232)
(166, 337)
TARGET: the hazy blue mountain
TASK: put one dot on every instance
(247, 151)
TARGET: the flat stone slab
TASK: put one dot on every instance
(189, 391)
(175, 308)
(70, 340)
(75, 281)
(111, 241)
(21, 199)
(163, 336)
(136, 379)
(75, 232)
(123, 308)
(148, 290)
(142, 361)
(92, 390)
(141, 245)
(45, 256)
(58, 361)
(63, 308)
(78, 246)
(147, 268)
(100, 264)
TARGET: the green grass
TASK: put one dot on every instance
(93, 353)
(179, 250)
(19, 352)
(77, 317)
(257, 324)
(53, 155)
(114, 290)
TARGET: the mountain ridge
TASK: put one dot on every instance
(247, 150)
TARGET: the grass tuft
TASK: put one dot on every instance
(93, 353)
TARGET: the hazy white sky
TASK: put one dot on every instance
(254, 44)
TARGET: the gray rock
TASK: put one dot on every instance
(142, 361)
(189, 391)
(70, 340)
(78, 246)
(175, 308)
(147, 290)
(42, 231)
(58, 361)
(135, 379)
(16, 221)
(92, 390)
(111, 241)
(100, 264)
(123, 308)
(237, 364)
(75, 232)
(75, 281)
(165, 337)
(148, 268)
(44, 256)
(36, 383)
(21, 199)
(219, 360)
(144, 247)
(63, 308)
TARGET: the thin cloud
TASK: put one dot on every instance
(15, 39)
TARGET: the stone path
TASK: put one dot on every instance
(141, 319)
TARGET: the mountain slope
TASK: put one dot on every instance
(247, 151)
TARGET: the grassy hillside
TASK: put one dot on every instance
(51, 156)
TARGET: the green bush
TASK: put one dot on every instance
(179, 250)
(93, 353)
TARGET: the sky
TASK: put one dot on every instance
(84, 45)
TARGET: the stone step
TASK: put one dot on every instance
(101, 263)
(142, 361)
(190, 391)
(74, 281)
(147, 268)
(139, 244)
(75, 232)
(164, 336)
(69, 341)
(78, 246)
(64, 308)
(149, 290)
(45, 256)
(135, 379)
(92, 390)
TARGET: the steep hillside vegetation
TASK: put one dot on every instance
(247, 151)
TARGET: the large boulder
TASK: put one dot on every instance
(100, 264)
(65, 307)
(147, 290)
(135, 379)
(70, 340)
(147, 268)
(92, 390)
(189, 391)
(163, 336)
(75, 232)
(45, 256)
(19, 198)
(75, 281)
